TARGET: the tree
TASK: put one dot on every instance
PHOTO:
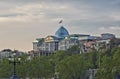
(73, 50)
(72, 67)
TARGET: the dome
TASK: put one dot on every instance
(61, 32)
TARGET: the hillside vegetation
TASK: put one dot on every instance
(68, 64)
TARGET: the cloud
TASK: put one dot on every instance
(112, 29)
(30, 19)
(102, 28)
(33, 12)
(115, 28)
(87, 11)
(115, 16)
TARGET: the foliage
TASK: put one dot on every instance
(110, 64)
(67, 64)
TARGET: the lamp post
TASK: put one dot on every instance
(14, 61)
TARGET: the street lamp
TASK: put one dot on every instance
(14, 61)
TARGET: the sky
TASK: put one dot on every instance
(22, 21)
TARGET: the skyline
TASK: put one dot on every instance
(21, 22)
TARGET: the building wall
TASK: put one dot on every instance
(67, 43)
(63, 41)
(108, 36)
(5, 54)
(35, 47)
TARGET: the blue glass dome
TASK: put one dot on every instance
(61, 32)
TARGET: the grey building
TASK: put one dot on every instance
(70, 41)
(107, 36)
(50, 43)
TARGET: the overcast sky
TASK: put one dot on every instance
(22, 21)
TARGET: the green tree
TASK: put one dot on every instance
(72, 67)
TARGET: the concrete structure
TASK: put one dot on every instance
(108, 36)
(63, 41)
(35, 45)
(50, 43)
(5, 53)
(71, 40)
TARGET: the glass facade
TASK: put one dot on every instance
(61, 32)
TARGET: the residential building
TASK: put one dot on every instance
(108, 36)
(5, 53)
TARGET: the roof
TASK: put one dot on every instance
(62, 32)
(78, 35)
(51, 38)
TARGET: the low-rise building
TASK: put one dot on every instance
(5, 53)
(108, 36)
